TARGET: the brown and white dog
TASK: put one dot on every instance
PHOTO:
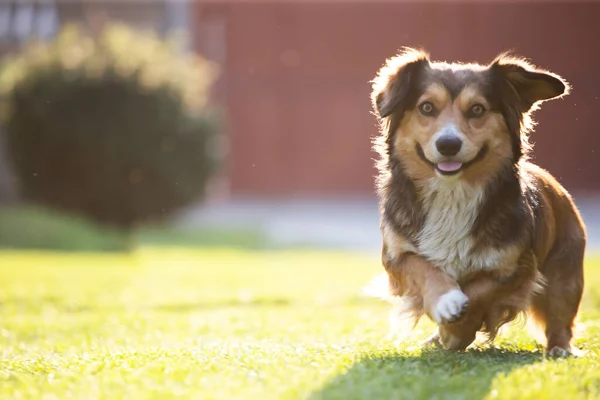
(473, 233)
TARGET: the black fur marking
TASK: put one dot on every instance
(401, 208)
(455, 81)
(505, 213)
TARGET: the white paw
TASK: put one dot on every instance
(450, 306)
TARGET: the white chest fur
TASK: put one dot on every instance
(451, 210)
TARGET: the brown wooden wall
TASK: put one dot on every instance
(295, 82)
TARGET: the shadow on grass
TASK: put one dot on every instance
(431, 374)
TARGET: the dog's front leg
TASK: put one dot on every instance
(433, 292)
(495, 298)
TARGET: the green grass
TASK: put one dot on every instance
(201, 324)
(34, 227)
(25, 227)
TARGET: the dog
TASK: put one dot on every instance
(473, 233)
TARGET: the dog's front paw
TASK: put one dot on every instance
(559, 352)
(433, 340)
(450, 307)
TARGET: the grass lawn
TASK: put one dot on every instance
(226, 324)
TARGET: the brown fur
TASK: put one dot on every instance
(502, 230)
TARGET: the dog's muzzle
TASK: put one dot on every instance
(451, 167)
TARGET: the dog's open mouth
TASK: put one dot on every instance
(451, 167)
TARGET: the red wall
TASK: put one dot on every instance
(295, 82)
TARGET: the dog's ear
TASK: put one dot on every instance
(393, 82)
(530, 84)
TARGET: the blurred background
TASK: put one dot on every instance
(247, 123)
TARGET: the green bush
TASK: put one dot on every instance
(115, 126)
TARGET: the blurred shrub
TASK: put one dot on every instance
(115, 126)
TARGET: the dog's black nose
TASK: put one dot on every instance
(448, 145)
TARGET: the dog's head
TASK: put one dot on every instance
(441, 119)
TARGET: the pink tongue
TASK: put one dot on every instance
(449, 166)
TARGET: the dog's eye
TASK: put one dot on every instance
(477, 110)
(427, 108)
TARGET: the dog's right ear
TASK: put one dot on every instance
(393, 82)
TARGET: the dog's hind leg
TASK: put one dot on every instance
(557, 306)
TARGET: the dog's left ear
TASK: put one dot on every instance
(530, 84)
